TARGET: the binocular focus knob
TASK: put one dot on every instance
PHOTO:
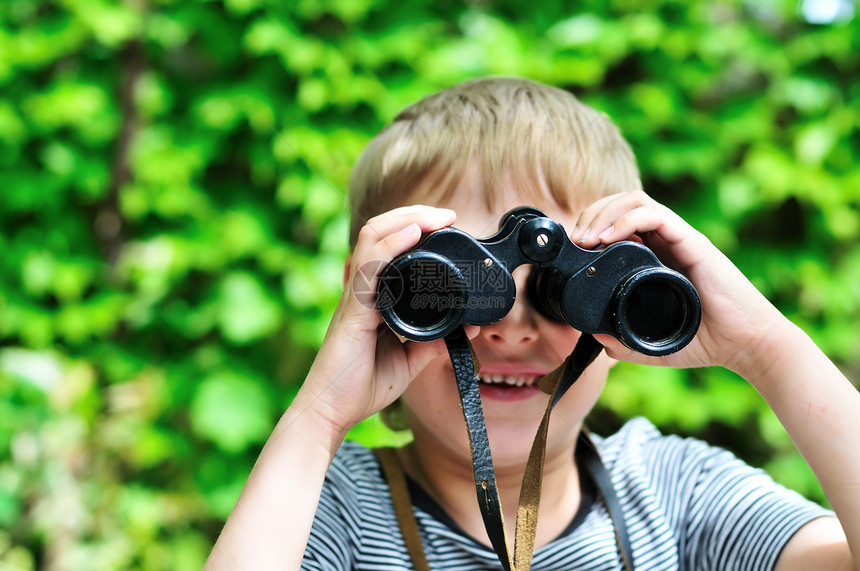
(541, 239)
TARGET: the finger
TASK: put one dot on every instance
(617, 350)
(404, 227)
(613, 347)
(604, 214)
(419, 355)
(428, 219)
(360, 291)
(583, 223)
(369, 259)
(666, 233)
(615, 226)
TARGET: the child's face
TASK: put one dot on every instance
(524, 345)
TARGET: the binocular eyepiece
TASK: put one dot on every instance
(451, 279)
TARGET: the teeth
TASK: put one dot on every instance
(511, 380)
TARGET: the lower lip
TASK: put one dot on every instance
(507, 394)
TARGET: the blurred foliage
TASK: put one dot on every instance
(172, 202)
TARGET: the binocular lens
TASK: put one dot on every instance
(655, 311)
(658, 311)
(422, 296)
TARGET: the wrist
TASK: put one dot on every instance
(307, 417)
(328, 399)
(762, 355)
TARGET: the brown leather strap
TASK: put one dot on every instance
(555, 384)
(489, 502)
(393, 472)
(586, 451)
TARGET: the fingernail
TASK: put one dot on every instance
(607, 233)
(575, 232)
(411, 229)
(584, 235)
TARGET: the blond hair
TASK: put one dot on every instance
(548, 142)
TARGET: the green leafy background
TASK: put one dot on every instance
(172, 183)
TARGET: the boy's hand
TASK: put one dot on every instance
(362, 366)
(736, 318)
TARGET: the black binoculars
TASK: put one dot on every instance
(451, 279)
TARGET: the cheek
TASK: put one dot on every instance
(560, 337)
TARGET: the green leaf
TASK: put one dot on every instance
(246, 311)
(231, 410)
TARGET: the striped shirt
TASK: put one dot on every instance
(687, 505)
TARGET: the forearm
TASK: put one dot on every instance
(819, 409)
(270, 524)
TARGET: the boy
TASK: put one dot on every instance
(475, 151)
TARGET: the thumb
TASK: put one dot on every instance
(421, 354)
(615, 348)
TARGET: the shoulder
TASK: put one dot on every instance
(641, 436)
(355, 526)
(640, 457)
(719, 511)
(639, 448)
(354, 461)
(354, 477)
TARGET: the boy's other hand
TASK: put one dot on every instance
(736, 318)
(362, 366)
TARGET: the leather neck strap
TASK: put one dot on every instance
(556, 384)
(402, 502)
(397, 486)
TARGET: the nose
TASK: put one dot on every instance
(520, 326)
